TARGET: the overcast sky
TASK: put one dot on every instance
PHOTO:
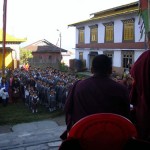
(40, 19)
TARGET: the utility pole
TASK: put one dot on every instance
(4, 35)
(60, 42)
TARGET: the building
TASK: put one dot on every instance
(12, 52)
(45, 54)
(66, 56)
(114, 32)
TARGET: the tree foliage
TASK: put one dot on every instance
(25, 55)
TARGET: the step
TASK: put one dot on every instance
(32, 135)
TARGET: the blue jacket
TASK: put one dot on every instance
(5, 85)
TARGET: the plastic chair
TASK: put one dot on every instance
(103, 131)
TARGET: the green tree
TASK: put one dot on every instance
(25, 55)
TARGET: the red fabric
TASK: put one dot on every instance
(11, 80)
(96, 94)
(140, 93)
(143, 4)
(103, 131)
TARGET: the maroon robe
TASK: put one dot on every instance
(96, 95)
(140, 93)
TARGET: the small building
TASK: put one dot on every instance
(66, 56)
(44, 54)
(12, 52)
(114, 32)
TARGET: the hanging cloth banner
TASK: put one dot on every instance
(144, 14)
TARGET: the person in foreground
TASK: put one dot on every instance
(140, 94)
(97, 94)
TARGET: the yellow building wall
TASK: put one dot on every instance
(8, 60)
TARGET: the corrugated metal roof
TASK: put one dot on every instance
(116, 11)
(10, 38)
(44, 46)
(117, 8)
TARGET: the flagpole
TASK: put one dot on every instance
(148, 33)
(148, 15)
(4, 35)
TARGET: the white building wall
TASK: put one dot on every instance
(77, 54)
(118, 33)
(117, 58)
(137, 54)
(86, 57)
(77, 33)
(87, 34)
(101, 33)
(100, 52)
(118, 27)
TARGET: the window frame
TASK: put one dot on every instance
(81, 35)
(50, 57)
(126, 61)
(109, 34)
(110, 54)
(94, 33)
(128, 30)
(80, 56)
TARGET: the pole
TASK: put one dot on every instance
(60, 42)
(4, 35)
(148, 15)
(60, 45)
(148, 40)
(148, 21)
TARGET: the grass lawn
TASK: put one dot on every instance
(19, 113)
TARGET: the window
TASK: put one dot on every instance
(109, 32)
(109, 54)
(127, 59)
(94, 33)
(36, 59)
(81, 55)
(40, 59)
(128, 30)
(91, 57)
(81, 35)
(49, 57)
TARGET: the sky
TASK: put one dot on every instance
(40, 19)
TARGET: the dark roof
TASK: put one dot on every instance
(8, 49)
(44, 46)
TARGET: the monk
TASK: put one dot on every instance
(140, 94)
(97, 94)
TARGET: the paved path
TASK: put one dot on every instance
(41, 135)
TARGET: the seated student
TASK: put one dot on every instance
(97, 94)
